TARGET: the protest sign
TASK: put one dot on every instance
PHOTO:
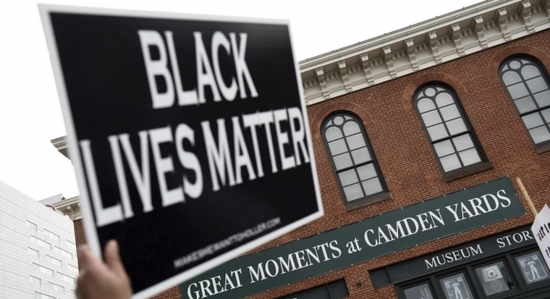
(188, 134)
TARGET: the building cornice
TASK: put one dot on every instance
(70, 207)
(61, 145)
(420, 46)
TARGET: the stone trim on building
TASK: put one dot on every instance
(420, 46)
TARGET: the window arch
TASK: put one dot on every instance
(448, 129)
(527, 86)
(353, 160)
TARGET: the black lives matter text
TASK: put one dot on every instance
(278, 134)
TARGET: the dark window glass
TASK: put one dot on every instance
(352, 158)
(418, 292)
(338, 289)
(533, 267)
(447, 128)
(527, 86)
(456, 287)
(520, 274)
(333, 290)
(494, 278)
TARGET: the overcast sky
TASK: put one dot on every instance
(30, 113)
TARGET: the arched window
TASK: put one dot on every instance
(447, 128)
(527, 86)
(353, 161)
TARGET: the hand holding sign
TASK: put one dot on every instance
(176, 125)
(98, 280)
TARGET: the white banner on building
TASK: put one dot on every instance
(541, 231)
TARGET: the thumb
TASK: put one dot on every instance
(112, 258)
(85, 256)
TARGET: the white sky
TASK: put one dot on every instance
(30, 113)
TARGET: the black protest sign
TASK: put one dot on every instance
(188, 135)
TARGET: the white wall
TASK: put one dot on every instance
(16, 263)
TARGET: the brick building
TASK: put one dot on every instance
(419, 137)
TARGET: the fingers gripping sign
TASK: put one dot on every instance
(98, 279)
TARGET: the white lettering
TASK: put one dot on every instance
(282, 138)
(185, 97)
(189, 161)
(218, 157)
(241, 153)
(368, 241)
(298, 135)
(453, 256)
(142, 178)
(506, 202)
(103, 215)
(228, 92)
(204, 70)
(240, 64)
(164, 165)
(156, 68)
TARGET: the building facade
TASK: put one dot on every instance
(37, 252)
(428, 141)
(420, 136)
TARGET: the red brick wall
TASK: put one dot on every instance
(173, 293)
(408, 164)
(79, 235)
(407, 161)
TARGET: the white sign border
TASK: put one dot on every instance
(74, 152)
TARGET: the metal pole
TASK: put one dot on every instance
(526, 195)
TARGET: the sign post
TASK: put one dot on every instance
(188, 134)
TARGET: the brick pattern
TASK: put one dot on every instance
(407, 161)
(173, 293)
(79, 235)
